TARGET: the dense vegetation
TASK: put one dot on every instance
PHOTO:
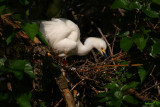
(131, 28)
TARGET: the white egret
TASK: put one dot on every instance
(64, 36)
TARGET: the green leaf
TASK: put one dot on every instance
(145, 32)
(42, 104)
(9, 39)
(124, 62)
(120, 4)
(1, 0)
(102, 94)
(118, 94)
(24, 100)
(4, 96)
(29, 70)
(132, 85)
(104, 99)
(123, 79)
(17, 17)
(117, 103)
(27, 12)
(24, 2)
(156, 1)
(17, 74)
(31, 29)
(2, 8)
(114, 103)
(151, 13)
(110, 104)
(134, 5)
(142, 73)
(17, 64)
(111, 85)
(18, 67)
(42, 38)
(140, 41)
(126, 44)
(130, 99)
(155, 49)
(124, 34)
(128, 75)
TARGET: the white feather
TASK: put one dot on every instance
(64, 36)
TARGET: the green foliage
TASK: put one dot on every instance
(132, 85)
(42, 104)
(1, 0)
(24, 100)
(31, 29)
(124, 34)
(19, 68)
(24, 2)
(130, 5)
(2, 8)
(156, 1)
(152, 104)
(126, 44)
(4, 96)
(155, 48)
(42, 38)
(151, 13)
(141, 37)
(130, 99)
(29, 70)
(140, 40)
(142, 73)
(9, 39)
(111, 85)
(115, 96)
(120, 4)
(126, 4)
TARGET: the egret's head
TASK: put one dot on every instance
(103, 52)
(102, 47)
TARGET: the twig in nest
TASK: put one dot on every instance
(7, 20)
(98, 67)
(149, 88)
(95, 57)
(155, 81)
(138, 95)
(100, 31)
(151, 74)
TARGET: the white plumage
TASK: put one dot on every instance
(64, 36)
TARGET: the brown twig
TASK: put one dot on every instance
(95, 57)
(70, 91)
(98, 67)
(138, 95)
(100, 31)
(149, 88)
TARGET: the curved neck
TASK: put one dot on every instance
(84, 49)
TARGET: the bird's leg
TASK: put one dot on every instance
(64, 60)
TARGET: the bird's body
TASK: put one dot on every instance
(64, 36)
